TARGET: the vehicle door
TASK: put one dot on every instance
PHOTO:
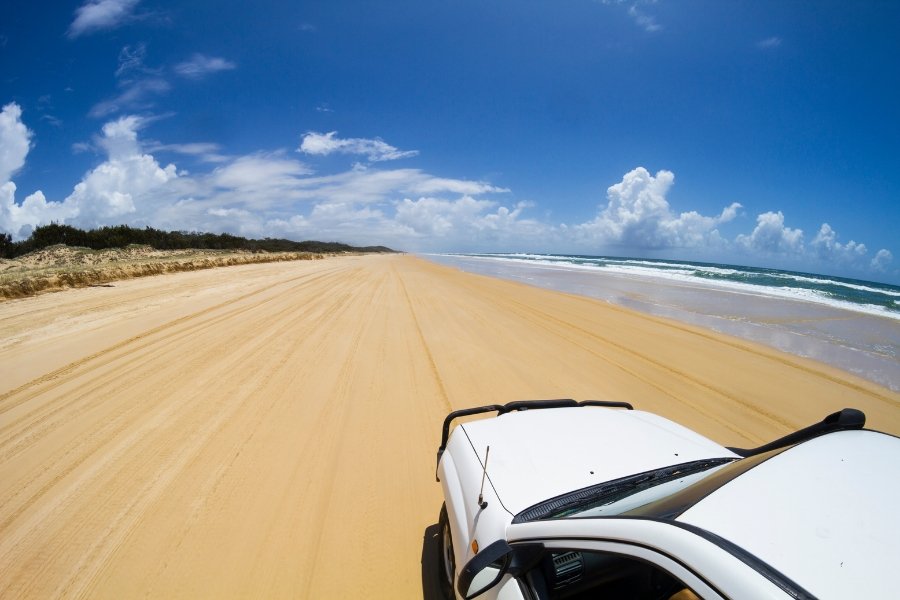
(610, 558)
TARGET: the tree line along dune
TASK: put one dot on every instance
(56, 257)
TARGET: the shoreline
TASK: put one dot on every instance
(864, 344)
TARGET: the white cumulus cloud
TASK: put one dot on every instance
(638, 216)
(323, 144)
(440, 217)
(95, 15)
(881, 260)
(448, 224)
(15, 141)
(827, 247)
(771, 237)
(106, 195)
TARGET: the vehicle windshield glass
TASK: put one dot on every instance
(640, 494)
(623, 495)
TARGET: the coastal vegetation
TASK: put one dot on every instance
(122, 236)
(57, 257)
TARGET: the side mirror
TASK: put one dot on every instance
(485, 570)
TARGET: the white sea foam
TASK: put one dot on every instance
(798, 318)
(834, 282)
(685, 274)
(606, 262)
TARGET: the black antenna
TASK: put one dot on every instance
(481, 501)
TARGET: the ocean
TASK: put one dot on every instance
(850, 324)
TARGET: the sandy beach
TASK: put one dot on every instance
(861, 339)
(269, 430)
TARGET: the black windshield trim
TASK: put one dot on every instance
(551, 507)
(677, 503)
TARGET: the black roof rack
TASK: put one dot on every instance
(848, 418)
(519, 405)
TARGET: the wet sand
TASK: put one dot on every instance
(270, 430)
(860, 342)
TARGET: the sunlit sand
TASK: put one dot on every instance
(270, 430)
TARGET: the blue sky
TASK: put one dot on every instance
(760, 133)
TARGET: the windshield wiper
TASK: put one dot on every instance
(613, 491)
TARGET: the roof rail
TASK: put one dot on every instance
(519, 405)
(848, 418)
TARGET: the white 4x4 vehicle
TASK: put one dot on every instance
(561, 499)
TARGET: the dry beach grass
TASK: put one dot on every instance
(269, 430)
(60, 267)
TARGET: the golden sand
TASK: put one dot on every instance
(269, 430)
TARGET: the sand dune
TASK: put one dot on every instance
(62, 267)
(270, 430)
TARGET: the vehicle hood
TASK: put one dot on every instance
(823, 513)
(536, 455)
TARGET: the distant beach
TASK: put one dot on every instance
(849, 324)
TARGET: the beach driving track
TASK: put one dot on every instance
(270, 430)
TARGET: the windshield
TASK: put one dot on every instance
(625, 494)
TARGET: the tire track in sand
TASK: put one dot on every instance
(241, 453)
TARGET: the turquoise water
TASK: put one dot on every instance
(850, 324)
(849, 294)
